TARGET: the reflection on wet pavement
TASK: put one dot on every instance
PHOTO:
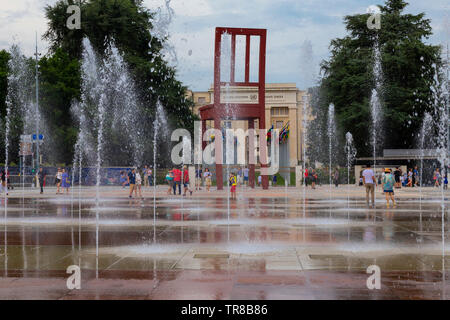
(270, 245)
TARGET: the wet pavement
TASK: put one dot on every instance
(274, 244)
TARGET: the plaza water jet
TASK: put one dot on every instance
(350, 150)
(375, 102)
(331, 137)
(159, 126)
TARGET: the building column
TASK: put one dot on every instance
(203, 134)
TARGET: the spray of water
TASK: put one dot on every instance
(331, 137)
(350, 151)
(424, 133)
(375, 103)
(159, 127)
(441, 115)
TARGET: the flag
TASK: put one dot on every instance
(284, 134)
(269, 135)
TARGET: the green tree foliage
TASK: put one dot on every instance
(128, 24)
(59, 85)
(4, 58)
(407, 63)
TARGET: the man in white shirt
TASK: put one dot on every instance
(370, 183)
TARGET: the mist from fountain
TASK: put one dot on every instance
(225, 60)
(305, 101)
(331, 136)
(109, 102)
(159, 126)
(350, 151)
(375, 102)
(441, 115)
(425, 132)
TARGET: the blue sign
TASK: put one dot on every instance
(41, 137)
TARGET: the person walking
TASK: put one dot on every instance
(58, 180)
(306, 177)
(369, 183)
(169, 178)
(198, 178)
(138, 187)
(65, 183)
(131, 180)
(233, 183)
(314, 177)
(4, 187)
(207, 176)
(123, 179)
(177, 180)
(186, 181)
(336, 177)
(437, 178)
(239, 176)
(41, 177)
(397, 175)
(388, 187)
(8, 182)
(410, 178)
(150, 178)
(416, 177)
(245, 171)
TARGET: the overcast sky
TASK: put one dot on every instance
(291, 25)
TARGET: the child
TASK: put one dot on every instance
(65, 181)
(169, 178)
(138, 188)
(186, 181)
(445, 182)
(388, 187)
(233, 183)
(58, 180)
(207, 176)
(123, 179)
(259, 180)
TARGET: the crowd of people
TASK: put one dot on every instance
(411, 178)
(178, 179)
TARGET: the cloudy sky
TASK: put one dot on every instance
(299, 31)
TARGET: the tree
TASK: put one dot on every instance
(127, 24)
(407, 64)
(4, 59)
(59, 85)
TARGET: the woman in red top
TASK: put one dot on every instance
(186, 180)
(306, 177)
(176, 180)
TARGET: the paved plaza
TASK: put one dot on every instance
(281, 243)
